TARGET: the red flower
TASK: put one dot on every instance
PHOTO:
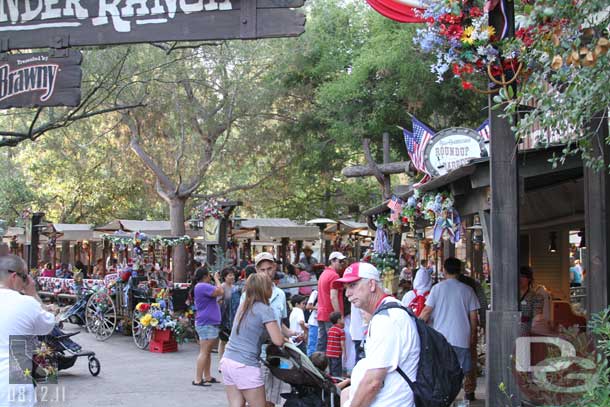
(479, 64)
(467, 85)
(525, 35)
(496, 70)
(456, 70)
(451, 18)
(476, 12)
(454, 31)
(468, 69)
(509, 65)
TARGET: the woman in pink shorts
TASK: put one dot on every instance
(240, 364)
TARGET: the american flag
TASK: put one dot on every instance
(423, 134)
(395, 206)
(483, 130)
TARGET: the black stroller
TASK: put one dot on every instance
(76, 313)
(310, 388)
(64, 351)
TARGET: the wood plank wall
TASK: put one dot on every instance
(551, 269)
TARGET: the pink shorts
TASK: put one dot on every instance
(241, 376)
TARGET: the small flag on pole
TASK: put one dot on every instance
(395, 206)
(483, 130)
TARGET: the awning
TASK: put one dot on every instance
(73, 232)
(278, 228)
(150, 227)
(346, 227)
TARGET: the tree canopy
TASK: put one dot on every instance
(300, 110)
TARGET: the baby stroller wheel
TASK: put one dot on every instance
(94, 366)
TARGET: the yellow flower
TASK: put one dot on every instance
(491, 31)
(154, 322)
(155, 304)
(146, 320)
(467, 35)
(27, 372)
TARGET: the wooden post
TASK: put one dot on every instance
(298, 250)
(284, 252)
(597, 215)
(448, 249)
(504, 318)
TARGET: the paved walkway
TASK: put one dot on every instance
(134, 377)
(137, 378)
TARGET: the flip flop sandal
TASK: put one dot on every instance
(212, 380)
(202, 383)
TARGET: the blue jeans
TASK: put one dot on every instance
(312, 341)
(323, 328)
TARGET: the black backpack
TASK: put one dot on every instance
(439, 375)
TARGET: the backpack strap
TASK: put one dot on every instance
(387, 306)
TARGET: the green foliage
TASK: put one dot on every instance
(568, 76)
(15, 195)
(301, 107)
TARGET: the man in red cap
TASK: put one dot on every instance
(330, 298)
(391, 343)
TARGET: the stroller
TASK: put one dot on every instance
(310, 388)
(76, 313)
(64, 351)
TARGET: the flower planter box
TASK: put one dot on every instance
(163, 341)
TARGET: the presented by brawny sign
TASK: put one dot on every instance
(33, 80)
(65, 23)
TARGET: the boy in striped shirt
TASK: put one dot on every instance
(335, 346)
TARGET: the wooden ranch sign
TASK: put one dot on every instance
(65, 23)
(33, 80)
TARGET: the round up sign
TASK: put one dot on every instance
(451, 149)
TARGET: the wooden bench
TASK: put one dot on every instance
(48, 294)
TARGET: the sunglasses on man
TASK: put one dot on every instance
(23, 276)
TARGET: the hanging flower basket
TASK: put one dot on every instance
(465, 45)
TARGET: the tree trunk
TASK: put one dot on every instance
(176, 219)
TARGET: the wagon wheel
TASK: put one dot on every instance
(100, 315)
(141, 334)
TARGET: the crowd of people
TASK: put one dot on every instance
(331, 313)
(331, 317)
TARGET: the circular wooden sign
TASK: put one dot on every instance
(451, 149)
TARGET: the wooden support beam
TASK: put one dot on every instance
(597, 216)
(386, 169)
(504, 318)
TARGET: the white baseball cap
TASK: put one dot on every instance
(336, 255)
(262, 257)
(357, 271)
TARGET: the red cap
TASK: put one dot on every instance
(357, 271)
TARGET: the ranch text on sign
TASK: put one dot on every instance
(451, 149)
(65, 23)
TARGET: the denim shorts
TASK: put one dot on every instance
(207, 332)
(463, 357)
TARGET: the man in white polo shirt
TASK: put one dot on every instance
(392, 341)
(22, 313)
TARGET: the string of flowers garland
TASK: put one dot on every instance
(143, 241)
(434, 209)
(209, 209)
